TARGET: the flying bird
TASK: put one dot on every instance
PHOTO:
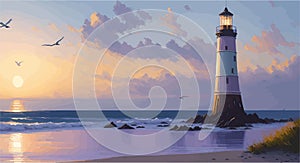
(56, 43)
(5, 25)
(182, 97)
(18, 63)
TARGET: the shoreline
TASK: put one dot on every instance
(225, 156)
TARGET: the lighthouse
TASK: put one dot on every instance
(227, 96)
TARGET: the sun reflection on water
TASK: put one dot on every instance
(17, 106)
(16, 147)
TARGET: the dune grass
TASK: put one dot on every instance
(285, 139)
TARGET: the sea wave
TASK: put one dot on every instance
(19, 127)
(53, 120)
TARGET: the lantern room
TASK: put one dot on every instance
(226, 18)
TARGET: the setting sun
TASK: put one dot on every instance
(18, 81)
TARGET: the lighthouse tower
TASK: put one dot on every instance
(227, 95)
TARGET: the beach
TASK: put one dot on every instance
(226, 156)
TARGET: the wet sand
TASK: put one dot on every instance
(228, 156)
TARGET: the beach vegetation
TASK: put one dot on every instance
(284, 139)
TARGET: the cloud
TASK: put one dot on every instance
(113, 28)
(120, 8)
(147, 49)
(53, 27)
(121, 48)
(124, 48)
(141, 86)
(276, 66)
(274, 87)
(72, 29)
(192, 56)
(187, 51)
(187, 8)
(146, 42)
(96, 19)
(269, 42)
(170, 20)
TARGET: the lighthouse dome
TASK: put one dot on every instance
(226, 13)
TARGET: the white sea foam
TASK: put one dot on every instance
(19, 127)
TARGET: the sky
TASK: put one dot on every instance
(113, 50)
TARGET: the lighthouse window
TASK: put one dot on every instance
(232, 70)
(227, 81)
(234, 58)
(226, 47)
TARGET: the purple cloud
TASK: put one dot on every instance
(141, 86)
(110, 32)
(170, 20)
(186, 50)
(96, 19)
(276, 90)
(121, 48)
(124, 48)
(120, 8)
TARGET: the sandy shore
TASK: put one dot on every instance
(228, 156)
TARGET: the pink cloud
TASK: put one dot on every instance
(269, 42)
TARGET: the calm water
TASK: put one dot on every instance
(59, 135)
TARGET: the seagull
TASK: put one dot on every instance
(5, 24)
(56, 43)
(182, 97)
(18, 63)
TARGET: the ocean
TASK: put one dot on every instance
(60, 136)
(32, 121)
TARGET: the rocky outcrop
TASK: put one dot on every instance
(233, 118)
(185, 128)
(126, 126)
(110, 125)
(197, 119)
(253, 118)
(228, 112)
(163, 124)
(174, 128)
(197, 128)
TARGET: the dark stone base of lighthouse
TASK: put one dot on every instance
(228, 112)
